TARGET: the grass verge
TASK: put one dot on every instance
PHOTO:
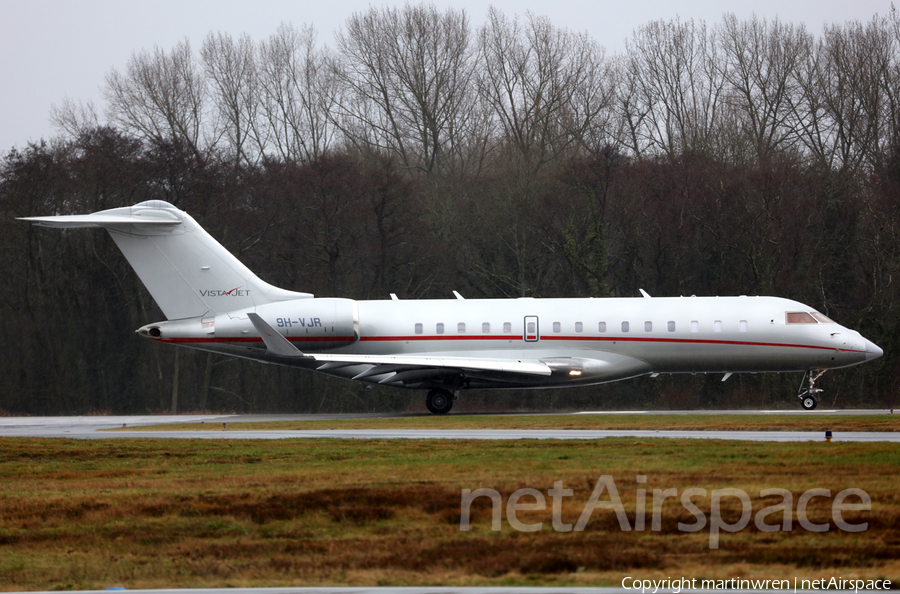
(190, 513)
(700, 422)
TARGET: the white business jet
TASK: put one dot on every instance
(215, 303)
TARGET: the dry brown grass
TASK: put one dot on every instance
(148, 513)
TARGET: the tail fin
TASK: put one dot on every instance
(187, 272)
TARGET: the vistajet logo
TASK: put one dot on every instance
(235, 292)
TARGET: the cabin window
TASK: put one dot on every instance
(419, 328)
(601, 327)
(486, 328)
(624, 326)
(823, 319)
(648, 326)
(557, 327)
(579, 327)
(799, 317)
(461, 327)
(670, 326)
(531, 328)
(439, 328)
(695, 326)
(717, 326)
(507, 327)
(743, 325)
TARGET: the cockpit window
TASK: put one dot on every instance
(799, 317)
(823, 319)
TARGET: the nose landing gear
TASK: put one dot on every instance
(808, 395)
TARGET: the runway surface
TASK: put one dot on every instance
(91, 428)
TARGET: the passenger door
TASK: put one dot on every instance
(532, 329)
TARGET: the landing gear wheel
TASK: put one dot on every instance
(439, 401)
(808, 394)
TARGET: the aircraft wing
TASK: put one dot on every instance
(387, 363)
(496, 372)
(395, 367)
(419, 368)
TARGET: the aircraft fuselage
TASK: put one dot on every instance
(585, 341)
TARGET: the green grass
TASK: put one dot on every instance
(761, 422)
(191, 513)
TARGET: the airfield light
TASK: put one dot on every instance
(828, 435)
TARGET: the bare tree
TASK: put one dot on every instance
(547, 86)
(882, 91)
(759, 61)
(674, 83)
(297, 94)
(230, 69)
(160, 96)
(74, 118)
(405, 75)
(848, 98)
(808, 107)
(891, 82)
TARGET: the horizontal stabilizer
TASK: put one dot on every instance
(100, 219)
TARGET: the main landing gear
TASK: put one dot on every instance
(439, 401)
(809, 394)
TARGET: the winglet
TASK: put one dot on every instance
(275, 342)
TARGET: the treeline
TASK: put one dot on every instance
(420, 155)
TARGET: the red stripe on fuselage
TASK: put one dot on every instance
(606, 339)
(253, 339)
(438, 337)
(217, 339)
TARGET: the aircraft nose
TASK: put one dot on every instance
(873, 351)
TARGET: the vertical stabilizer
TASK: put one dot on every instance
(187, 272)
